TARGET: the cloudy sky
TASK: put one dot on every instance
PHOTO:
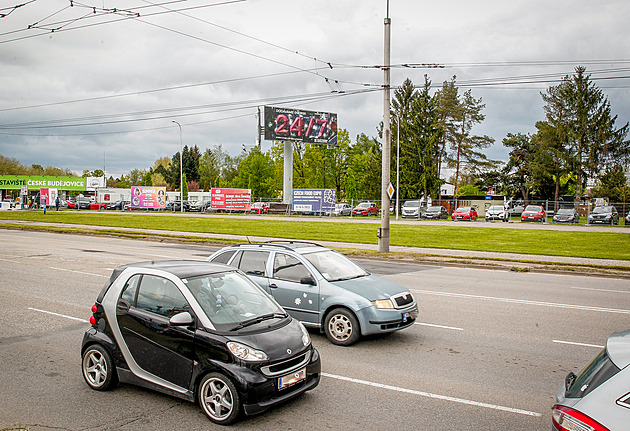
(98, 84)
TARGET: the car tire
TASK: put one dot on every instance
(219, 399)
(98, 368)
(342, 327)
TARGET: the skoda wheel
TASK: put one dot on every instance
(219, 399)
(98, 368)
(341, 327)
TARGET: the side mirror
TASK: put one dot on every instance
(182, 319)
(568, 381)
(307, 280)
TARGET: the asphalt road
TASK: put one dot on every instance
(489, 351)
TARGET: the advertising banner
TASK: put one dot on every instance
(284, 124)
(148, 197)
(230, 199)
(36, 182)
(314, 200)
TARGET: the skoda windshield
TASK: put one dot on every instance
(334, 266)
(232, 301)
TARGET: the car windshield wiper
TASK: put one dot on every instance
(351, 277)
(258, 319)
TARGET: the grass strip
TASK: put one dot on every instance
(585, 244)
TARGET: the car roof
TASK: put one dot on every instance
(180, 268)
(618, 347)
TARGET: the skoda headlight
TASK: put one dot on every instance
(246, 353)
(306, 338)
(383, 303)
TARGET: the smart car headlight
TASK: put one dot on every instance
(246, 353)
(306, 338)
(383, 303)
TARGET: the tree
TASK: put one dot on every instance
(581, 115)
(417, 131)
(457, 117)
(448, 113)
(519, 168)
(612, 184)
(255, 172)
(465, 147)
(209, 169)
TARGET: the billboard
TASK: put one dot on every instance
(230, 199)
(36, 182)
(148, 197)
(314, 200)
(284, 124)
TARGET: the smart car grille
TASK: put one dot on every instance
(287, 366)
(402, 300)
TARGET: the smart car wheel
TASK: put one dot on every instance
(99, 370)
(219, 399)
(341, 327)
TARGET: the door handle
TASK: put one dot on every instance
(273, 285)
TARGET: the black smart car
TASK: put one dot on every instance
(199, 331)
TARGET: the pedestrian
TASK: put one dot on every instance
(45, 204)
(57, 203)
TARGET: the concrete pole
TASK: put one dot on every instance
(383, 240)
(287, 190)
(181, 169)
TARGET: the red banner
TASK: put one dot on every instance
(230, 199)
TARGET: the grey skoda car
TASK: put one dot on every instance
(599, 397)
(324, 289)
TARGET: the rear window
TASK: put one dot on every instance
(596, 373)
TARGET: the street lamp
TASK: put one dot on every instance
(181, 170)
(398, 164)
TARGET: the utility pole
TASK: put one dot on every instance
(383, 234)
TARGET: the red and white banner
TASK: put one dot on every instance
(230, 199)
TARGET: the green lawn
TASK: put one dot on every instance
(607, 245)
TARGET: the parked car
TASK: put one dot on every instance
(83, 203)
(324, 289)
(533, 213)
(118, 205)
(435, 213)
(606, 214)
(465, 213)
(516, 210)
(259, 208)
(365, 209)
(496, 212)
(197, 331)
(413, 209)
(566, 215)
(598, 398)
(628, 218)
(196, 206)
(342, 209)
(176, 206)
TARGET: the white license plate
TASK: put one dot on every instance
(291, 379)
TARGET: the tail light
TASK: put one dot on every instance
(568, 419)
(95, 309)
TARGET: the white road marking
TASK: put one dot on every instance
(59, 315)
(578, 344)
(7, 260)
(435, 396)
(600, 290)
(439, 326)
(78, 272)
(525, 301)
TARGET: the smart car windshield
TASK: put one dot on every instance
(232, 301)
(334, 266)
